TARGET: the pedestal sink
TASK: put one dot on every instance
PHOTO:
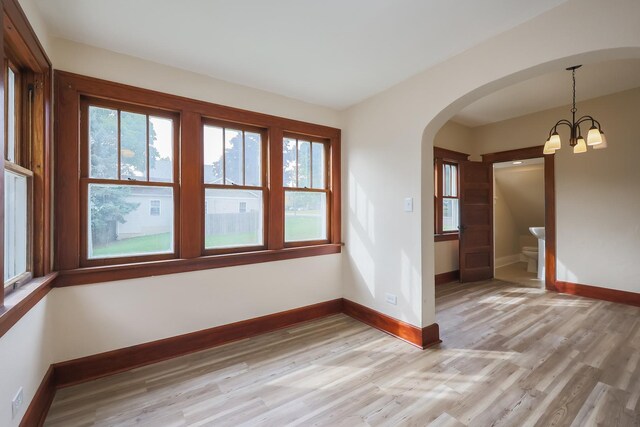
(539, 233)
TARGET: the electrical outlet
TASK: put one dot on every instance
(408, 204)
(16, 403)
(391, 298)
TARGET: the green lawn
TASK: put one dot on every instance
(136, 245)
(303, 226)
(297, 227)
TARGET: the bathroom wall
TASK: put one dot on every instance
(519, 204)
(505, 228)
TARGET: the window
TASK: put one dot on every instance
(306, 195)
(446, 191)
(168, 184)
(128, 165)
(450, 207)
(234, 189)
(26, 159)
(18, 194)
(154, 207)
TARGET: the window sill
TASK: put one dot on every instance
(82, 276)
(19, 302)
(446, 237)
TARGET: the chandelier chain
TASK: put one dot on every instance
(573, 73)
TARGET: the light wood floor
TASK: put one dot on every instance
(511, 356)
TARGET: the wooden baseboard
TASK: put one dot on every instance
(112, 362)
(448, 277)
(422, 338)
(39, 406)
(595, 292)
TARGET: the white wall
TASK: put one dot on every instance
(25, 355)
(104, 64)
(389, 137)
(106, 316)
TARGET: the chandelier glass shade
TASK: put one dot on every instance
(595, 135)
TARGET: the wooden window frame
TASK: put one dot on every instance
(22, 52)
(326, 190)
(264, 155)
(70, 89)
(442, 156)
(86, 180)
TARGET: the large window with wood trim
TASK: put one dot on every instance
(234, 186)
(129, 182)
(169, 184)
(447, 192)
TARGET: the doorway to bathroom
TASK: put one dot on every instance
(518, 218)
(523, 216)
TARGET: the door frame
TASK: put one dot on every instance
(549, 201)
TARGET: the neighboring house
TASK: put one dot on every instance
(154, 214)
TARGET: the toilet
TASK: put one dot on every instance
(531, 256)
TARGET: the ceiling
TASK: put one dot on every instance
(552, 90)
(332, 52)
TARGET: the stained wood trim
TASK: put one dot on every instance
(39, 407)
(511, 155)
(421, 338)
(446, 237)
(103, 364)
(445, 154)
(596, 292)
(550, 222)
(20, 301)
(431, 335)
(89, 275)
(448, 277)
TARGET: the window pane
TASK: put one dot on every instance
(305, 216)
(447, 180)
(160, 149)
(318, 167)
(233, 218)
(133, 146)
(289, 159)
(304, 164)
(11, 115)
(213, 153)
(233, 156)
(15, 224)
(121, 222)
(252, 159)
(103, 143)
(450, 214)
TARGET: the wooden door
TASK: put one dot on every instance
(476, 221)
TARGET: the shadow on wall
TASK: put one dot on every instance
(363, 241)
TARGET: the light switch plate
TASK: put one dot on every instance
(408, 204)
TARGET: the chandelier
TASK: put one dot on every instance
(595, 136)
